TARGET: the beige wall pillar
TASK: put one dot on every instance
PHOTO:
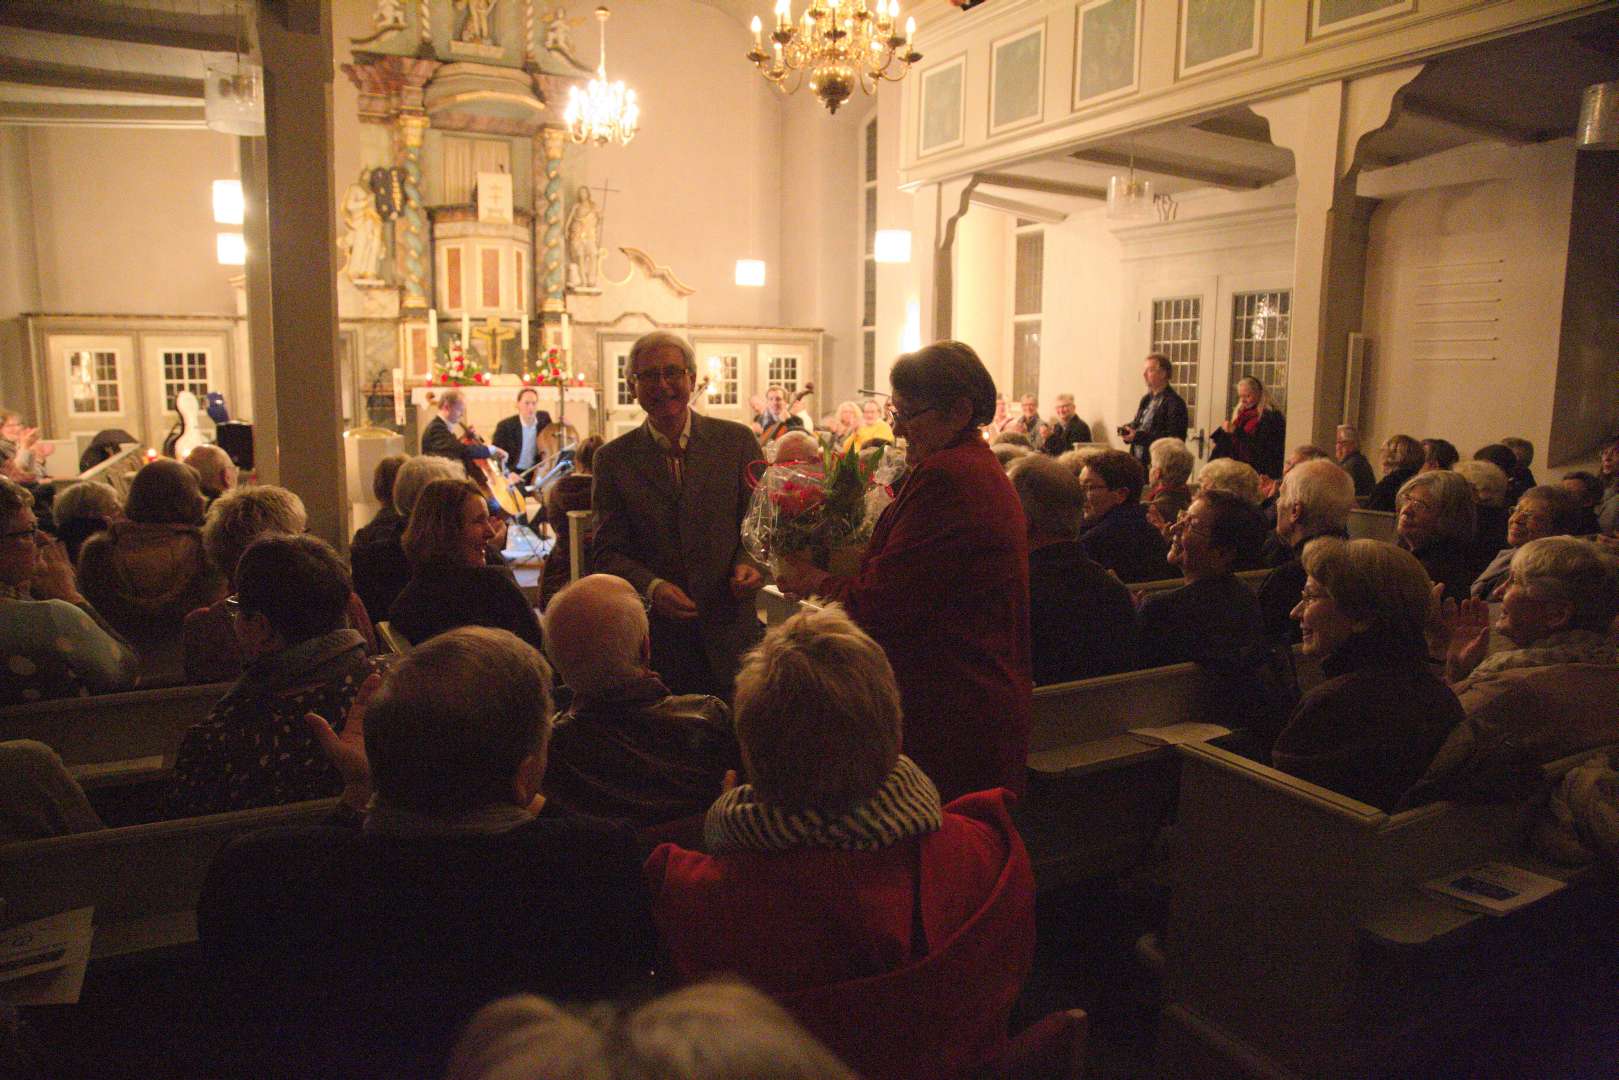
(933, 230)
(295, 40)
(1323, 125)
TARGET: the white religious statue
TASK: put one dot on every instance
(584, 240)
(476, 29)
(559, 34)
(363, 242)
(390, 15)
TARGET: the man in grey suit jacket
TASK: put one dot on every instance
(669, 500)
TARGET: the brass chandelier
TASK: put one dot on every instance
(605, 112)
(835, 46)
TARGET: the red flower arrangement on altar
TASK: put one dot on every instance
(551, 372)
(458, 369)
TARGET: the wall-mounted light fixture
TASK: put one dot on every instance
(892, 246)
(750, 273)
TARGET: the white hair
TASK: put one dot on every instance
(1323, 491)
(594, 631)
(1229, 474)
(416, 473)
(1489, 482)
(1172, 460)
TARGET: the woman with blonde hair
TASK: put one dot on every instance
(1437, 522)
(1371, 728)
(452, 585)
(1402, 457)
(1256, 431)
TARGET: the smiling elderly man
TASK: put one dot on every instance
(669, 498)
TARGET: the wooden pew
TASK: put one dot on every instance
(1251, 578)
(114, 738)
(1371, 525)
(1298, 943)
(143, 880)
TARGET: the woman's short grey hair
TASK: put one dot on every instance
(1080, 456)
(1053, 500)
(1458, 507)
(657, 339)
(817, 714)
(1572, 571)
(1006, 453)
(1489, 482)
(1230, 475)
(717, 1030)
(86, 499)
(242, 515)
(416, 473)
(944, 372)
(1172, 460)
(1376, 583)
(1013, 438)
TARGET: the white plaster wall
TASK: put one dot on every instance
(19, 277)
(981, 303)
(899, 300)
(1523, 220)
(123, 220)
(1080, 351)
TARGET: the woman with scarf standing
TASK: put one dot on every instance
(1256, 432)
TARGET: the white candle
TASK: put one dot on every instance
(432, 328)
(758, 39)
(525, 335)
(466, 332)
(567, 335)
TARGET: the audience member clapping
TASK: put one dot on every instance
(1540, 699)
(835, 865)
(1436, 523)
(1168, 492)
(289, 616)
(1490, 505)
(1371, 728)
(146, 573)
(711, 1031)
(1402, 457)
(1213, 619)
(53, 643)
(377, 553)
(1081, 620)
(360, 952)
(1116, 532)
(1542, 511)
(235, 520)
(452, 584)
(80, 511)
(1314, 500)
(627, 748)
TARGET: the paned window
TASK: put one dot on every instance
(93, 381)
(1261, 327)
(723, 388)
(868, 265)
(626, 395)
(1177, 332)
(184, 369)
(782, 371)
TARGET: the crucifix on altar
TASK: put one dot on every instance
(494, 333)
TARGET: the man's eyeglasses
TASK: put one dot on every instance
(666, 374)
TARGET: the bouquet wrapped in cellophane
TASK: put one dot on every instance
(822, 511)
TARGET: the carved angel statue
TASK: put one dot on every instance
(584, 241)
(363, 242)
(390, 15)
(476, 28)
(559, 34)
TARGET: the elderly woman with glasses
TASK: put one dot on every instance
(52, 642)
(1436, 522)
(1540, 699)
(1370, 729)
(944, 583)
(1544, 510)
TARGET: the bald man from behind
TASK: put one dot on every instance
(627, 748)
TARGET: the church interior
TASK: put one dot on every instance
(290, 227)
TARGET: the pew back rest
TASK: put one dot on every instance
(1371, 525)
(1109, 705)
(113, 727)
(135, 877)
(1251, 578)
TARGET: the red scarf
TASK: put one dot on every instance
(1247, 420)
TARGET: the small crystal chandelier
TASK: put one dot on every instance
(606, 112)
(835, 45)
(1129, 199)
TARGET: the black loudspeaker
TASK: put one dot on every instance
(235, 437)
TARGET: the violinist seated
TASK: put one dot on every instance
(518, 436)
(439, 437)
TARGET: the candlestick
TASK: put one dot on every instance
(466, 332)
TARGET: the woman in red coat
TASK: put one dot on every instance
(944, 584)
(897, 930)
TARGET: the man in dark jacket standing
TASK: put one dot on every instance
(1161, 414)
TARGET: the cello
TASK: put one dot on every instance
(489, 476)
